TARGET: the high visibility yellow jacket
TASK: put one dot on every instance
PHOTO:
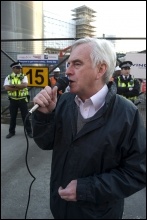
(129, 88)
(17, 79)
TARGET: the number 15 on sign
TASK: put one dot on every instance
(37, 76)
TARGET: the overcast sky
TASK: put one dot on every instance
(118, 18)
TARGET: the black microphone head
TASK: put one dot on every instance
(62, 83)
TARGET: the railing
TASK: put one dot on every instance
(10, 48)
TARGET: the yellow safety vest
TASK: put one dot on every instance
(19, 94)
(122, 84)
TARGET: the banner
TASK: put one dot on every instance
(38, 58)
(138, 69)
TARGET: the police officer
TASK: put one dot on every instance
(16, 86)
(127, 85)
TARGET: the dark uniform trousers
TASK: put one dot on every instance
(14, 106)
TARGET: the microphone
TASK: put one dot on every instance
(62, 83)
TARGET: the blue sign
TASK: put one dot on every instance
(38, 61)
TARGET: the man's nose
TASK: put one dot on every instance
(67, 70)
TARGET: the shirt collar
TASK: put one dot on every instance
(125, 77)
(97, 99)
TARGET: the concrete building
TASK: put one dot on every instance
(57, 27)
(20, 20)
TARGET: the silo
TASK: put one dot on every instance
(20, 20)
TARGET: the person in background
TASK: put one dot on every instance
(97, 137)
(53, 79)
(16, 86)
(127, 85)
(117, 72)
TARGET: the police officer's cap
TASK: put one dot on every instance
(125, 64)
(16, 64)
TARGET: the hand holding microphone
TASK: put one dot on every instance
(46, 99)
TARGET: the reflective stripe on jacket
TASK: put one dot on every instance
(129, 85)
(17, 79)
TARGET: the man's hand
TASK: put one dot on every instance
(69, 193)
(46, 99)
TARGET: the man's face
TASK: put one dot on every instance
(125, 71)
(82, 74)
(17, 69)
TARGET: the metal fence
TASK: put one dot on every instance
(60, 46)
(11, 48)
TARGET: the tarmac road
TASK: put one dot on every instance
(16, 180)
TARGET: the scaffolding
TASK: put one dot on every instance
(83, 17)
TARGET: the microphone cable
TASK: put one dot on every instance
(26, 160)
(61, 83)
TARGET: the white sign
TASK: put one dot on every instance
(138, 69)
(38, 58)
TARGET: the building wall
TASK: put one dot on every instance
(20, 20)
(17, 19)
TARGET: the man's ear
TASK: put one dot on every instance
(101, 69)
